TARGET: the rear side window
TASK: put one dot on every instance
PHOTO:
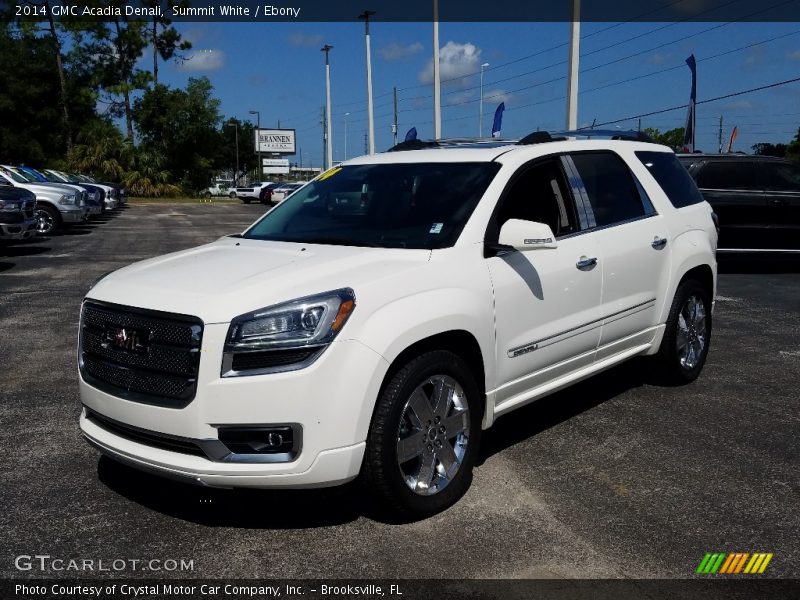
(782, 176)
(728, 175)
(609, 186)
(672, 176)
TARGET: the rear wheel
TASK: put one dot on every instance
(424, 435)
(232, 195)
(687, 336)
(47, 219)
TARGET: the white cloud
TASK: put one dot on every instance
(396, 51)
(496, 96)
(304, 39)
(738, 105)
(658, 58)
(756, 56)
(793, 55)
(203, 60)
(459, 97)
(455, 61)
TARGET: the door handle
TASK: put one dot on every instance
(585, 262)
(779, 201)
(658, 243)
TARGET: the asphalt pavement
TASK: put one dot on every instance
(614, 477)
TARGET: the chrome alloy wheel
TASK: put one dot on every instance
(691, 337)
(433, 435)
(45, 223)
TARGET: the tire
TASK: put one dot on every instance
(405, 411)
(47, 219)
(687, 336)
(232, 195)
(205, 194)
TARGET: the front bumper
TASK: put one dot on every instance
(331, 401)
(18, 231)
(75, 215)
(111, 203)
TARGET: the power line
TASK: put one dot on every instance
(723, 97)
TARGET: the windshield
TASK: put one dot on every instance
(34, 173)
(27, 177)
(414, 205)
(15, 176)
(54, 177)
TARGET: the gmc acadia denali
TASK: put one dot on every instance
(380, 318)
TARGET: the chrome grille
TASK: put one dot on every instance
(160, 368)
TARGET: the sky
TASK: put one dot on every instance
(626, 69)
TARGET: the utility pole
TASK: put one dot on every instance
(236, 175)
(719, 135)
(639, 124)
(258, 141)
(574, 59)
(437, 85)
(480, 110)
(328, 149)
(370, 122)
(324, 139)
(366, 143)
(347, 114)
(394, 123)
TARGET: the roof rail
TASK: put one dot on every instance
(450, 143)
(538, 137)
(615, 134)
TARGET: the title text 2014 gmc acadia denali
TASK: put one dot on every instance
(379, 319)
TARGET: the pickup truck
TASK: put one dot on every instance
(17, 214)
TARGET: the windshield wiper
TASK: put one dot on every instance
(333, 241)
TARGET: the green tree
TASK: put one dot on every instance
(165, 40)
(767, 149)
(183, 127)
(672, 138)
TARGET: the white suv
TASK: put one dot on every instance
(380, 318)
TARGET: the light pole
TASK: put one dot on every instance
(480, 110)
(328, 145)
(236, 175)
(437, 90)
(574, 59)
(258, 144)
(345, 134)
(370, 123)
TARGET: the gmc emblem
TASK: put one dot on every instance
(125, 338)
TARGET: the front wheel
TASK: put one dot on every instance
(47, 219)
(424, 435)
(231, 194)
(687, 336)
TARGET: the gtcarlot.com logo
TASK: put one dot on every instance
(47, 563)
(734, 563)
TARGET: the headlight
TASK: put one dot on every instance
(286, 336)
(67, 199)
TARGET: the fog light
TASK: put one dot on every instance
(278, 439)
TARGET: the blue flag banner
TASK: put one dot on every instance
(689, 130)
(411, 134)
(498, 120)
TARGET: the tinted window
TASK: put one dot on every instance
(782, 176)
(409, 205)
(728, 175)
(539, 194)
(610, 187)
(673, 178)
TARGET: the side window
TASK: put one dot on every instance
(540, 194)
(673, 178)
(728, 175)
(610, 187)
(782, 176)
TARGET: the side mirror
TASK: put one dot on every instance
(527, 235)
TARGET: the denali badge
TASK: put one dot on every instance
(125, 338)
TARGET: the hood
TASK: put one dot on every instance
(47, 189)
(233, 276)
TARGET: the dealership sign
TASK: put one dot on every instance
(275, 166)
(279, 141)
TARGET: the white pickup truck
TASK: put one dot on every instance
(383, 316)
